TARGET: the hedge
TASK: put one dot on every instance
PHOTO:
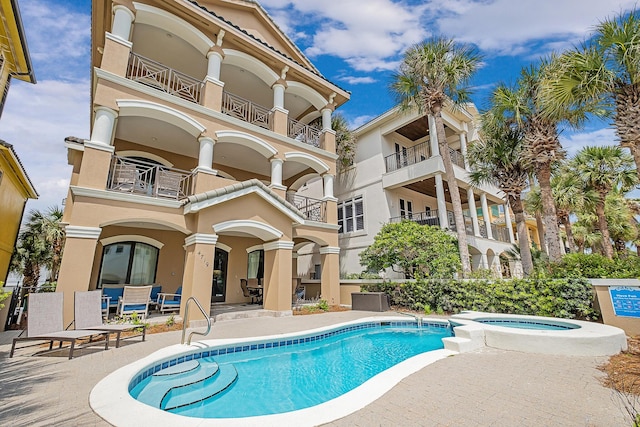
(568, 298)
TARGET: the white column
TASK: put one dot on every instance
(484, 262)
(328, 186)
(278, 95)
(205, 157)
(213, 66)
(473, 211)
(433, 136)
(276, 173)
(485, 215)
(103, 125)
(326, 119)
(463, 146)
(507, 222)
(442, 204)
(122, 20)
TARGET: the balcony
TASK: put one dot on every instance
(312, 209)
(408, 157)
(245, 110)
(431, 218)
(456, 157)
(303, 133)
(158, 76)
(148, 179)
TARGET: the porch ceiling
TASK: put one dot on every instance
(419, 128)
(428, 187)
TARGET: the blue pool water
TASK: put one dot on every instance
(264, 379)
(529, 324)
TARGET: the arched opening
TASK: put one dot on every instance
(129, 262)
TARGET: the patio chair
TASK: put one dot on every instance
(46, 324)
(169, 302)
(169, 184)
(124, 177)
(298, 293)
(155, 292)
(87, 316)
(135, 299)
(254, 293)
(113, 294)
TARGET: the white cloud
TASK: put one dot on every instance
(36, 120)
(358, 80)
(573, 142)
(359, 121)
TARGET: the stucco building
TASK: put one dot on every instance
(398, 174)
(15, 186)
(202, 134)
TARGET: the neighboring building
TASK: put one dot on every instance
(398, 174)
(200, 139)
(15, 186)
(15, 190)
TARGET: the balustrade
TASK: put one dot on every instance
(312, 209)
(304, 133)
(245, 110)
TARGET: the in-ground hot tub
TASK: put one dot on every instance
(535, 334)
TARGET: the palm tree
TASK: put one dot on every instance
(604, 169)
(605, 70)
(496, 159)
(432, 73)
(526, 107)
(345, 142)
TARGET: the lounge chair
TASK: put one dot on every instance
(169, 302)
(87, 316)
(46, 324)
(135, 299)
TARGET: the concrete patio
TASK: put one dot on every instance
(481, 388)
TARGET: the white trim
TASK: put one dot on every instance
(329, 250)
(277, 245)
(209, 79)
(205, 170)
(118, 39)
(317, 224)
(308, 160)
(124, 197)
(141, 108)
(258, 229)
(131, 238)
(201, 238)
(167, 22)
(224, 247)
(70, 145)
(193, 207)
(145, 154)
(254, 248)
(99, 146)
(307, 93)
(251, 64)
(247, 140)
(81, 232)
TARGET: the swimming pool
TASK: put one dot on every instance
(522, 323)
(347, 381)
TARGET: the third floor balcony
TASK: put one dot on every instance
(408, 156)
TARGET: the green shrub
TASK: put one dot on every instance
(568, 298)
(323, 305)
(596, 266)
(3, 294)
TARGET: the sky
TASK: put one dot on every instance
(356, 44)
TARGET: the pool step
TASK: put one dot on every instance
(160, 385)
(178, 397)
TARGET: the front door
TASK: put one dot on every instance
(219, 287)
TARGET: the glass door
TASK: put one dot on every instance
(219, 285)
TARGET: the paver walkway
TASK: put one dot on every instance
(484, 388)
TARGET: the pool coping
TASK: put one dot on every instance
(111, 400)
(589, 339)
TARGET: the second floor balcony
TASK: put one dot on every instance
(148, 179)
(416, 154)
(312, 209)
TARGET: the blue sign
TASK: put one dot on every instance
(625, 301)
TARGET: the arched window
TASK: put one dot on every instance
(255, 265)
(133, 263)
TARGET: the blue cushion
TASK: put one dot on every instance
(171, 302)
(154, 293)
(103, 305)
(178, 292)
(135, 307)
(114, 293)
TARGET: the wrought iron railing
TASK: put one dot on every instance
(408, 156)
(303, 133)
(148, 179)
(482, 226)
(423, 218)
(312, 209)
(159, 76)
(245, 110)
(500, 233)
(456, 157)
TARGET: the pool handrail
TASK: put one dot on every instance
(185, 322)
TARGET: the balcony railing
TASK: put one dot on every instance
(312, 209)
(148, 179)
(303, 133)
(500, 233)
(408, 156)
(422, 218)
(156, 75)
(245, 110)
(456, 157)
(483, 228)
